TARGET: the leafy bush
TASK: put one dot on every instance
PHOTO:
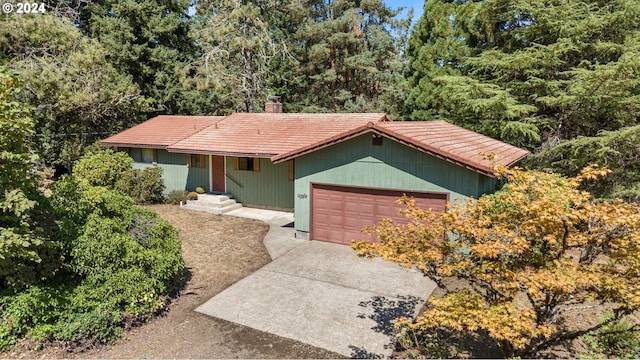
(27, 253)
(120, 262)
(29, 309)
(98, 326)
(201, 189)
(618, 339)
(540, 238)
(143, 185)
(113, 171)
(103, 168)
(177, 196)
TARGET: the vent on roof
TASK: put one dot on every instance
(273, 105)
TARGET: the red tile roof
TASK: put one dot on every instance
(284, 136)
(438, 138)
(270, 134)
(454, 143)
(161, 131)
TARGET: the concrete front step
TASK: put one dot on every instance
(215, 204)
(211, 209)
(210, 198)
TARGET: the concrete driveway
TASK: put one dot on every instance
(325, 295)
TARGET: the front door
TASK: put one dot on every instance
(217, 173)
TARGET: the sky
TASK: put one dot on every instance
(417, 6)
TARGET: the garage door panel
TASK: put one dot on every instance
(339, 212)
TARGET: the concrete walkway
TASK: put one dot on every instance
(280, 238)
(321, 294)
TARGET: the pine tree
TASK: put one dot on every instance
(529, 72)
(149, 42)
(349, 55)
(236, 43)
(78, 95)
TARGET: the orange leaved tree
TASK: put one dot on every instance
(530, 253)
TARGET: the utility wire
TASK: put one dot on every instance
(75, 134)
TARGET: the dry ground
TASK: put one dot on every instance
(478, 345)
(218, 251)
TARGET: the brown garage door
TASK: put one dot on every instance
(338, 213)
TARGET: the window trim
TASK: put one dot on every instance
(154, 155)
(201, 161)
(256, 163)
(291, 174)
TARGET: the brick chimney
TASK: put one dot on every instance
(273, 105)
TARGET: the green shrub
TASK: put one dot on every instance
(619, 339)
(120, 262)
(103, 168)
(108, 247)
(33, 307)
(150, 186)
(7, 338)
(177, 196)
(201, 189)
(144, 186)
(113, 171)
(93, 327)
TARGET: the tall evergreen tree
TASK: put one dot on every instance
(530, 72)
(236, 44)
(348, 56)
(149, 41)
(78, 95)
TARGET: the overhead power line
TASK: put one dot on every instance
(75, 134)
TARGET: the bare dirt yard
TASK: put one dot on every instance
(221, 250)
(218, 251)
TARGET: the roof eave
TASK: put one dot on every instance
(512, 163)
(323, 143)
(482, 170)
(391, 135)
(131, 145)
(220, 153)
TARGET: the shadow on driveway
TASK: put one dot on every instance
(325, 295)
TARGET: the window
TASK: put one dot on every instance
(148, 156)
(196, 161)
(143, 155)
(246, 164)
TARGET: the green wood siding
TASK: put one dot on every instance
(176, 174)
(268, 187)
(393, 165)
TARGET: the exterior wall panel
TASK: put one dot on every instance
(176, 174)
(269, 187)
(356, 162)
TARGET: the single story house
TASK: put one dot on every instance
(337, 172)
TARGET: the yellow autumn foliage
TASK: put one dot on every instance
(540, 238)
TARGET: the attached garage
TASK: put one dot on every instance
(338, 213)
